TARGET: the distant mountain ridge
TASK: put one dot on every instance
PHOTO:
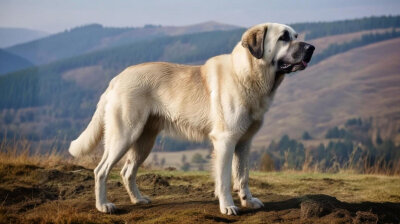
(89, 38)
(11, 36)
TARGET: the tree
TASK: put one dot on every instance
(306, 136)
(284, 143)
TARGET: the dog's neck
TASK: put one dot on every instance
(256, 77)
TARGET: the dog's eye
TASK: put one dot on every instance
(285, 37)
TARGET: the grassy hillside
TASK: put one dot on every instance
(94, 37)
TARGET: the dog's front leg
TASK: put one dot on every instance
(224, 147)
(240, 173)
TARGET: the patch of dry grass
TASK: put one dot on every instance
(19, 152)
(345, 186)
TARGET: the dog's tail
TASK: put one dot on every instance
(93, 133)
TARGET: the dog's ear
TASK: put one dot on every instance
(253, 39)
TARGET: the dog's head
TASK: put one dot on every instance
(276, 44)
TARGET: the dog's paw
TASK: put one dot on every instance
(142, 200)
(229, 210)
(107, 208)
(252, 203)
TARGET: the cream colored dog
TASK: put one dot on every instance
(223, 100)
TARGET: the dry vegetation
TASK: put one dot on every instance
(18, 152)
(51, 188)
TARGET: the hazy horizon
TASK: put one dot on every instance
(55, 15)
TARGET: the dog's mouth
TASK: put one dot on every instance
(289, 67)
(297, 58)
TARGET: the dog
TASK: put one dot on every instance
(223, 100)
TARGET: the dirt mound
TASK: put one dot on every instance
(327, 208)
(25, 186)
(19, 194)
(153, 180)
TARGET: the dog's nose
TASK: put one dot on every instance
(309, 49)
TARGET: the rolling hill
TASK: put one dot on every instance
(364, 82)
(94, 37)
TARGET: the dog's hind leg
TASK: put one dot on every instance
(118, 137)
(137, 154)
(240, 173)
(110, 157)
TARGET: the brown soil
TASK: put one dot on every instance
(32, 194)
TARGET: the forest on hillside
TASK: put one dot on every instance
(323, 29)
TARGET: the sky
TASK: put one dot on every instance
(57, 15)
